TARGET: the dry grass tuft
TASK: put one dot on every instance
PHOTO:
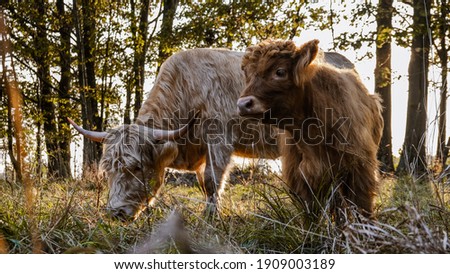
(413, 235)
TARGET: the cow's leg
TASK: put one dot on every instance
(216, 170)
(297, 178)
(294, 174)
(363, 185)
(365, 190)
(155, 185)
(200, 177)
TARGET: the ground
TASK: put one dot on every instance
(257, 216)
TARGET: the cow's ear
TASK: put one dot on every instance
(306, 53)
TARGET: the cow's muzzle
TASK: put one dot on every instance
(124, 213)
(250, 106)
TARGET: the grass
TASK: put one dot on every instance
(257, 216)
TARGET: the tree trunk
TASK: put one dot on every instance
(10, 133)
(93, 117)
(413, 157)
(139, 56)
(443, 57)
(129, 90)
(130, 80)
(85, 32)
(383, 80)
(48, 112)
(169, 10)
(64, 135)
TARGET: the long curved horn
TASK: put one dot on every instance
(172, 135)
(92, 135)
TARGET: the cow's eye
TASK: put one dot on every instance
(281, 73)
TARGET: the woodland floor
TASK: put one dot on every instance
(257, 216)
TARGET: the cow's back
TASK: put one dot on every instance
(209, 80)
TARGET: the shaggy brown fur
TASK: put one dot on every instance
(332, 140)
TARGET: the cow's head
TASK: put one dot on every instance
(134, 157)
(274, 73)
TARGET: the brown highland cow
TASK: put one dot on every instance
(332, 124)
